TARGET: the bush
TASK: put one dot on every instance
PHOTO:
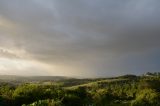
(29, 93)
(72, 100)
(147, 97)
(102, 98)
(47, 102)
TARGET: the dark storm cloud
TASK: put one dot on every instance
(98, 36)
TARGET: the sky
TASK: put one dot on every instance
(86, 38)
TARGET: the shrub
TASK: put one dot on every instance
(47, 102)
(147, 97)
(102, 97)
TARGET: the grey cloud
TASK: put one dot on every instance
(98, 35)
(8, 54)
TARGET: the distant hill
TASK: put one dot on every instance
(14, 78)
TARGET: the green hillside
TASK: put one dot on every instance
(128, 90)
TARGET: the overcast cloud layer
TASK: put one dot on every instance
(88, 38)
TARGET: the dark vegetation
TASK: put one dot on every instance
(128, 90)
